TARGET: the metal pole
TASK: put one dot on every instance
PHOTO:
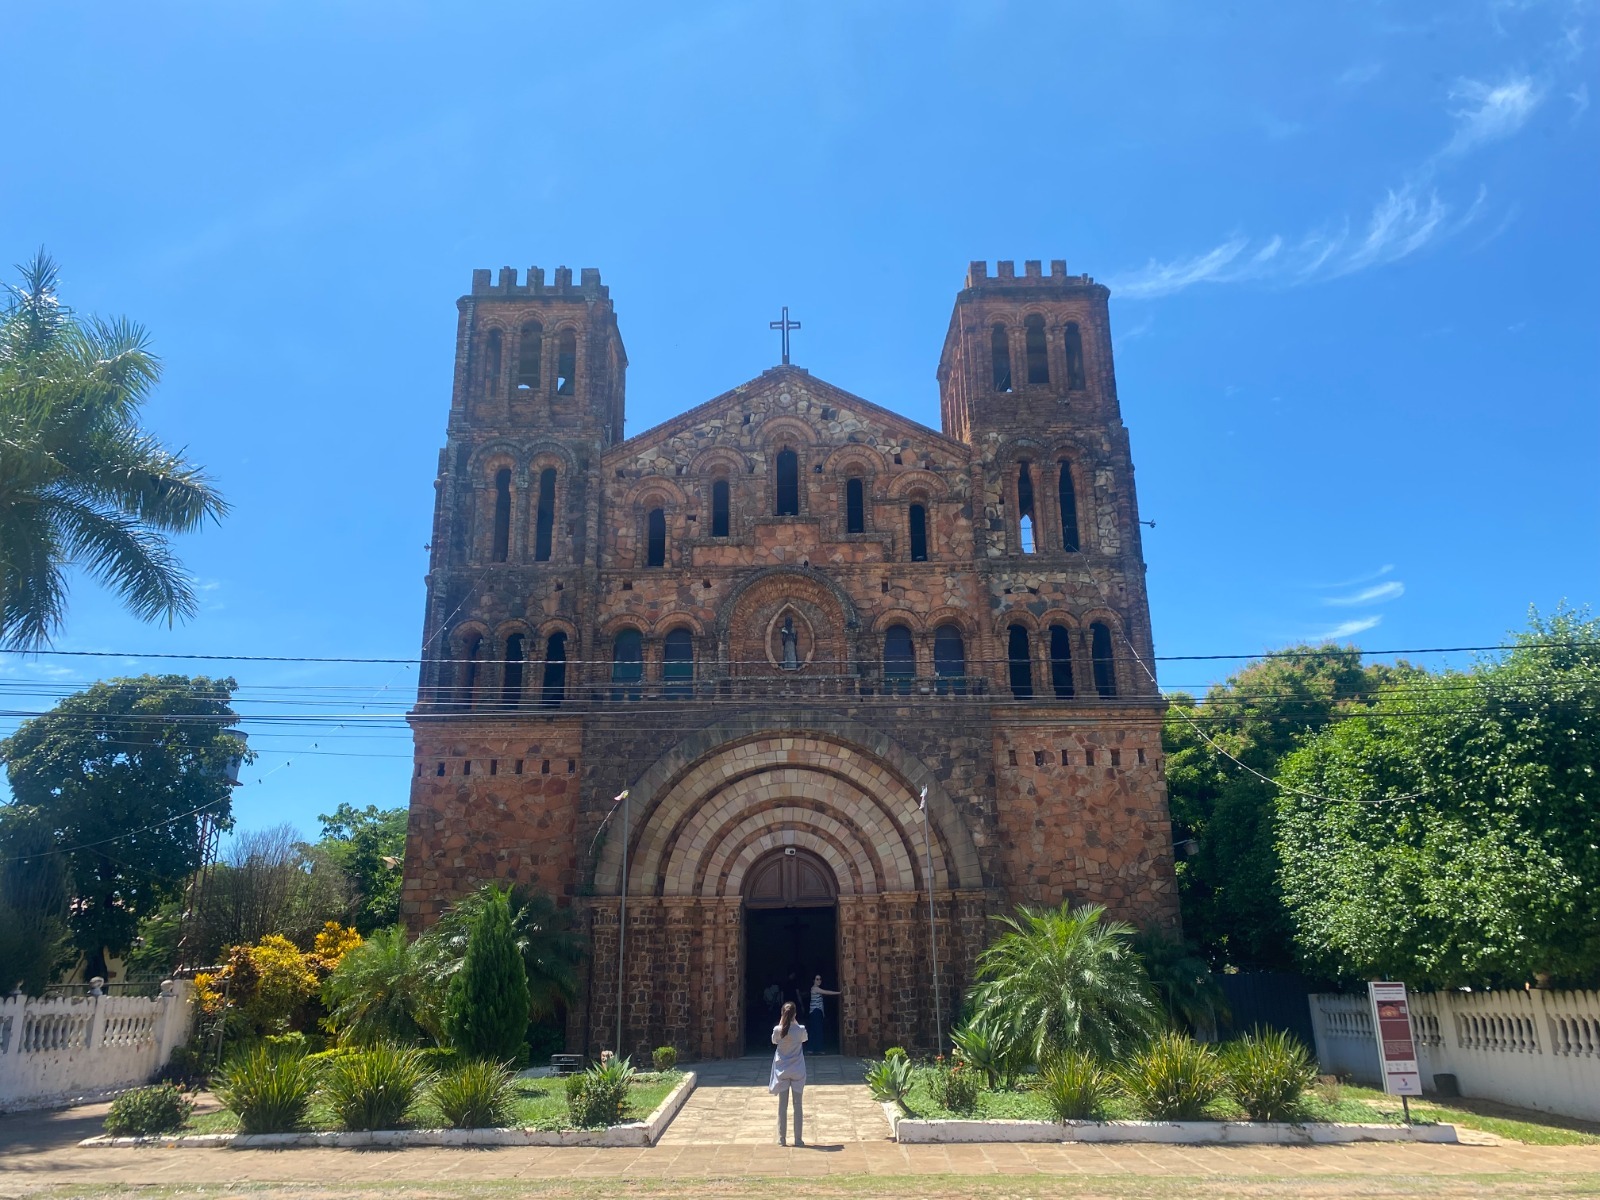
(933, 930)
(622, 918)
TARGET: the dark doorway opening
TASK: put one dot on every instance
(790, 937)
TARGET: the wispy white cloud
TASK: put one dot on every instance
(1359, 74)
(1347, 629)
(1376, 594)
(1492, 111)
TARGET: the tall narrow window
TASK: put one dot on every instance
(1038, 353)
(467, 670)
(1000, 352)
(788, 490)
(1105, 667)
(553, 688)
(530, 348)
(1019, 660)
(655, 554)
(627, 664)
(545, 519)
(502, 515)
(566, 363)
(949, 661)
(919, 533)
(511, 672)
(899, 660)
(719, 508)
(1067, 495)
(1025, 508)
(491, 361)
(855, 506)
(1061, 662)
(677, 663)
(1075, 376)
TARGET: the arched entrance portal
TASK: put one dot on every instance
(791, 932)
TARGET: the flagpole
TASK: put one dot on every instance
(933, 930)
(622, 917)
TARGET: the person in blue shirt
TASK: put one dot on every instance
(789, 1070)
(816, 1018)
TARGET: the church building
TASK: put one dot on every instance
(841, 663)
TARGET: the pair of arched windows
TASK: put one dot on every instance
(1037, 351)
(900, 660)
(1019, 662)
(544, 518)
(530, 359)
(470, 672)
(1066, 508)
(627, 663)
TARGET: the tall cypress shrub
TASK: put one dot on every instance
(486, 1009)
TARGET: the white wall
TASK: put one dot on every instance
(1535, 1049)
(58, 1049)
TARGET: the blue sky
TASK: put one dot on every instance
(1353, 252)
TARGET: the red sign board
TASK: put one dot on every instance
(1397, 1048)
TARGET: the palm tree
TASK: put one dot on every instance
(81, 484)
(382, 991)
(543, 932)
(1066, 979)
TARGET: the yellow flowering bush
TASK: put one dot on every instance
(268, 983)
(332, 944)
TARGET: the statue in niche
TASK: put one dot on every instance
(791, 649)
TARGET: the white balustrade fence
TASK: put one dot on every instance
(60, 1048)
(1536, 1049)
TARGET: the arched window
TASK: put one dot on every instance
(656, 539)
(566, 363)
(1061, 662)
(788, 490)
(677, 663)
(511, 672)
(545, 519)
(491, 361)
(1025, 508)
(1000, 351)
(899, 660)
(1019, 662)
(530, 347)
(553, 688)
(919, 533)
(1038, 354)
(719, 508)
(1067, 495)
(467, 670)
(502, 515)
(949, 661)
(1075, 376)
(1105, 667)
(627, 664)
(855, 506)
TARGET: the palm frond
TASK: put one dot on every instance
(117, 550)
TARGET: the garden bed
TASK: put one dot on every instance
(945, 1130)
(540, 1114)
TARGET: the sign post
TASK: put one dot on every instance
(1397, 1048)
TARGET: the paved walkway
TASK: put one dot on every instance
(731, 1105)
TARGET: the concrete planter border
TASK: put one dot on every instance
(914, 1130)
(634, 1133)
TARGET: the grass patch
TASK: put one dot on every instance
(540, 1104)
(1535, 1129)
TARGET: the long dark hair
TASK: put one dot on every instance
(786, 1018)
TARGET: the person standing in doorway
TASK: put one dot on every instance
(789, 1070)
(817, 1018)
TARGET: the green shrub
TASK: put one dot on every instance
(1076, 1087)
(891, 1078)
(895, 1052)
(1173, 1078)
(954, 1085)
(664, 1058)
(159, 1109)
(268, 1091)
(374, 1088)
(486, 1008)
(1267, 1074)
(478, 1094)
(988, 1043)
(599, 1096)
(187, 1066)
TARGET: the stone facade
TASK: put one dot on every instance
(776, 620)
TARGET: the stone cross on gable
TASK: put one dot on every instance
(785, 325)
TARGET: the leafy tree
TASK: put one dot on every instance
(122, 775)
(486, 1010)
(1183, 983)
(382, 991)
(81, 483)
(33, 902)
(543, 933)
(368, 845)
(1459, 847)
(1066, 979)
(1231, 904)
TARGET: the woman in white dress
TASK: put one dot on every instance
(789, 1070)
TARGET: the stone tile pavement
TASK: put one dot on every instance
(731, 1106)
